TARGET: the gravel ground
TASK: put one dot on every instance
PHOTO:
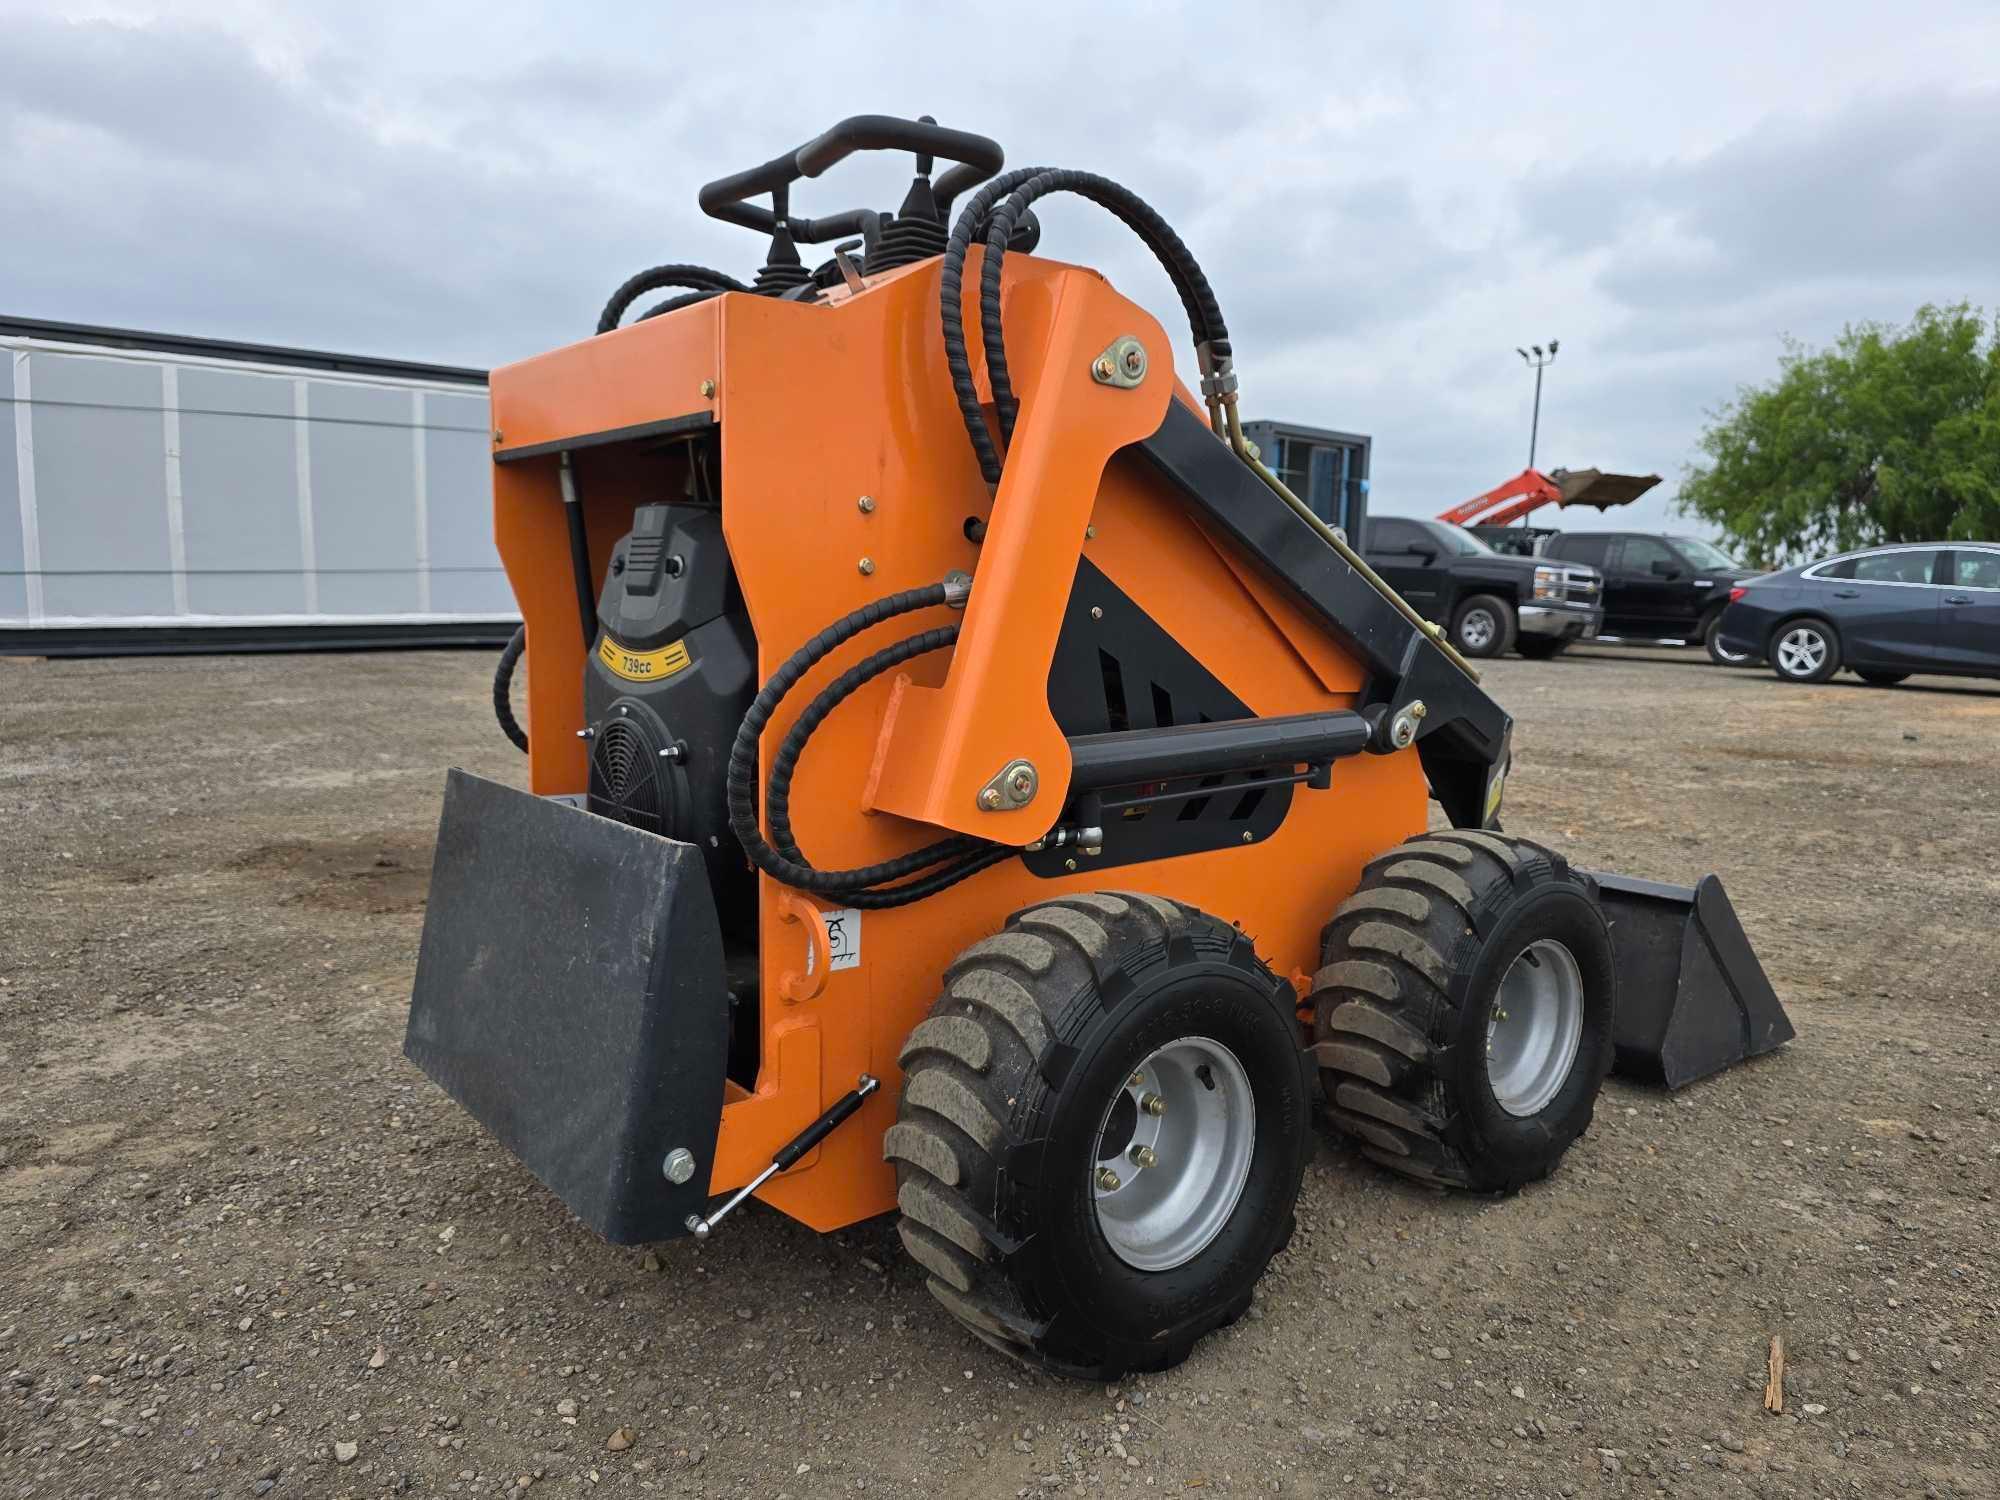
(245, 1248)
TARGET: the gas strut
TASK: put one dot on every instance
(798, 1146)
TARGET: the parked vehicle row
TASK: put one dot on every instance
(1882, 612)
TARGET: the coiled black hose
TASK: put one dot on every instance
(923, 872)
(980, 217)
(503, 690)
(701, 279)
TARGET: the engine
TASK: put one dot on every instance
(667, 685)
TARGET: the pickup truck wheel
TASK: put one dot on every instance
(1483, 626)
(1541, 647)
(1721, 655)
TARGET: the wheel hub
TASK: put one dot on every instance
(1801, 651)
(1535, 1028)
(1476, 629)
(1173, 1153)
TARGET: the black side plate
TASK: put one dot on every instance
(1692, 997)
(570, 995)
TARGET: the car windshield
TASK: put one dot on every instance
(1704, 554)
(1460, 541)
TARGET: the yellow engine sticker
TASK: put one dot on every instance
(644, 666)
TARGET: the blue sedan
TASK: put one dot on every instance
(1882, 614)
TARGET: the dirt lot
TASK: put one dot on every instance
(245, 1248)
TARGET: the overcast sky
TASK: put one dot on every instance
(1387, 199)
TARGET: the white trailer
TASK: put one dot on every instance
(160, 493)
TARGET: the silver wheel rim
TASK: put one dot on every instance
(1802, 651)
(1535, 1027)
(1173, 1154)
(1477, 629)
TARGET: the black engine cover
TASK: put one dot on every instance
(667, 687)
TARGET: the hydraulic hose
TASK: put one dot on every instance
(503, 686)
(980, 218)
(702, 279)
(924, 871)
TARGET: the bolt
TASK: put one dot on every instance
(990, 799)
(679, 1165)
(708, 388)
(1417, 709)
(865, 504)
(1153, 1105)
(1069, 864)
(499, 437)
(1135, 1080)
(1142, 1156)
(1090, 533)
(1135, 360)
(1096, 613)
(1108, 1180)
(866, 565)
(1249, 837)
(1022, 782)
(1104, 369)
(586, 734)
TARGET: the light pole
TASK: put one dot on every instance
(1538, 361)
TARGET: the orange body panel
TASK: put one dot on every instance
(822, 405)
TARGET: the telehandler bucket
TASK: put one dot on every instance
(1692, 997)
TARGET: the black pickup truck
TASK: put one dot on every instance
(1486, 601)
(1657, 587)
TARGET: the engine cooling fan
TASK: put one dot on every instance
(632, 778)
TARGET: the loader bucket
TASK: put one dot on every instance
(1597, 488)
(1692, 997)
(570, 994)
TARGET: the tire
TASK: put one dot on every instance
(1027, 1062)
(1483, 625)
(1541, 647)
(1805, 650)
(1711, 640)
(1879, 679)
(1413, 964)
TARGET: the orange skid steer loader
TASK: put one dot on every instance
(966, 783)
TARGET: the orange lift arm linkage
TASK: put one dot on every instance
(1530, 489)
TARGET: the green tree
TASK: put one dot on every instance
(1892, 435)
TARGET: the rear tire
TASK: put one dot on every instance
(1483, 625)
(1721, 655)
(1805, 650)
(1879, 679)
(1541, 647)
(1028, 1071)
(1462, 1016)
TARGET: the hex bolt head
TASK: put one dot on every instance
(865, 504)
(990, 799)
(1135, 360)
(1153, 1105)
(1108, 1180)
(1143, 1156)
(866, 565)
(1104, 369)
(679, 1165)
(708, 388)
(1135, 1081)
(1022, 782)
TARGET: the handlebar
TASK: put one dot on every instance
(976, 156)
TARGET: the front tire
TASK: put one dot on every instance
(1805, 650)
(1482, 626)
(1721, 655)
(1025, 1110)
(1462, 1016)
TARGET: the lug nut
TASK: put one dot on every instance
(1153, 1105)
(1135, 1080)
(1142, 1156)
(1108, 1180)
